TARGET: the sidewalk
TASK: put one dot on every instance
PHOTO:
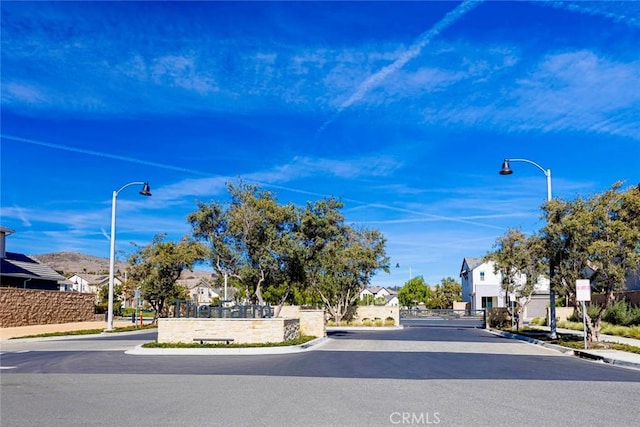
(23, 331)
(613, 357)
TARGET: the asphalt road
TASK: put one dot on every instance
(416, 376)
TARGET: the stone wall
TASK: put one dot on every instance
(377, 312)
(461, 305)
(242, 331)
(25, 307)
(312, 322)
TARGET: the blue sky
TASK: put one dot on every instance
(405, 110)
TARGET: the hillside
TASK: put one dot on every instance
(70, 263)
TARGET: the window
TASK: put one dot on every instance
(482, 276)
(487, 302)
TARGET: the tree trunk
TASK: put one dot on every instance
(282, 301)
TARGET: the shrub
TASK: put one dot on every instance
(540, 321)
(618, 314)
(634, 316)
(592, 311)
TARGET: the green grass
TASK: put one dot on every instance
(577, 343)
(524, 329)
(299, 341)
(573, 341)
(85, 332)
(540, 321)
(605, 328)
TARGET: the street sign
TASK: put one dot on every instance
(583, 290)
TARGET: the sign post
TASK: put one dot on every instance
(583, 293)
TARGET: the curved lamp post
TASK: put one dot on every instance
(506, 170)
(146, 191)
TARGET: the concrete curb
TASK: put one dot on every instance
(363, 328)
(251, 351)
(309, 346)
(70, 337)
(609, 360)
(583, 354)
(559, 348)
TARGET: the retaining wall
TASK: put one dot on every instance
(312, 322)
(242, 331)
(377, 312)
(27, 307)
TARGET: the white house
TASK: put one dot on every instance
(480, 285)
(201, 291)
(375, 292)
(91, 283)
(482, 288)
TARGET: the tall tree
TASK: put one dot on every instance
(595, 238)
(250, 238)
(413, 292)
(338, 260)
(444, 295)
(155, 268)
(520, 261)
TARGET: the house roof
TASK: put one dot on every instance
(472, 263)
(93, 279)
(194, 283)
(375, 289)
(20, 265)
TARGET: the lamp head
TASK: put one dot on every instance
(146, 190)
(505, 170)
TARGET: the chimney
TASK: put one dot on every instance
(4, 231)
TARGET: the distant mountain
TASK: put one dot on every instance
(70, 263)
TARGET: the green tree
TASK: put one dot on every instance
(520, 261)
(155, 268)
(103, 299)
(599, 235)
(250, 239)
(445, 294)
(414, 292)
(338, 260)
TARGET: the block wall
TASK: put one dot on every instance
(26, 307)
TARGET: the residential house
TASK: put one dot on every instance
(91, 283)
(380, 293)
(21, 271)
(633, 280)
(482, 288)
(201, 291)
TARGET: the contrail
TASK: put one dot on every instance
(587, 8)
(414, 50)
(101, 154)
(264, 184)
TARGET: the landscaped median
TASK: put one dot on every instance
(303, 343)
(573, 344)
(81, 332)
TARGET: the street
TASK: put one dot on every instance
(417, 375)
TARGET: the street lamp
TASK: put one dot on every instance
(506, 170)
(146, 191)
